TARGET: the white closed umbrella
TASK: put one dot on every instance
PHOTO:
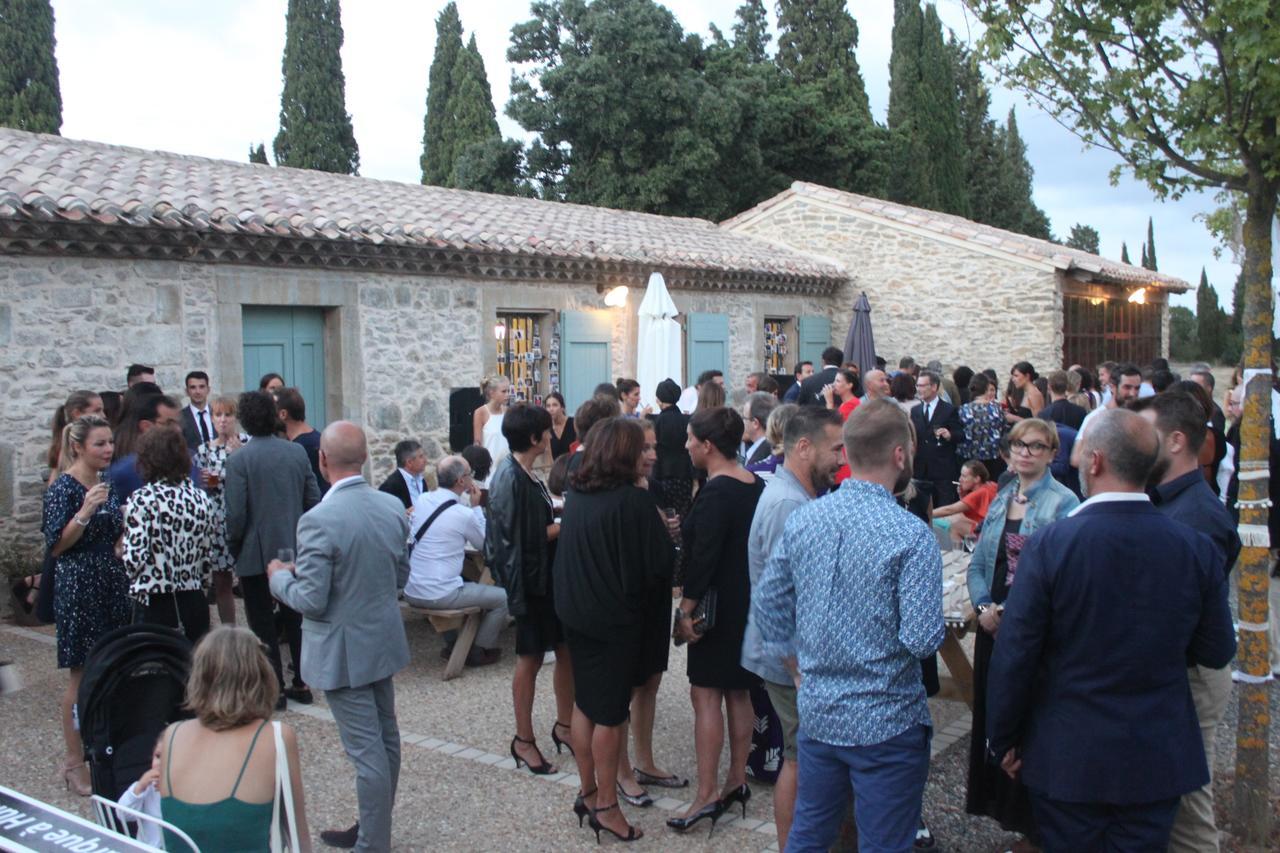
(658, 348)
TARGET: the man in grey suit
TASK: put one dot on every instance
(352, 559)
(269, 485)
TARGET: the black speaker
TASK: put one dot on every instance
(463, 403)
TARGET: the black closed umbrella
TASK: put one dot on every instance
(859, 344)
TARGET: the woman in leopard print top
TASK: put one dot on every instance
(169, 538)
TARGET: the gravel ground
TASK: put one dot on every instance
(457, 788)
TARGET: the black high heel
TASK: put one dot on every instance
(711, 810)
(738, 795)
(542, 769)
(580, 807)
(633, 834)
(561, 743)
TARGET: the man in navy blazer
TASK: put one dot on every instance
(1088, 700)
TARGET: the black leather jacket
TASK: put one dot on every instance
(515, 542)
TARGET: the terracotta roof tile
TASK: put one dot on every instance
(41, 176)
(1017, 245)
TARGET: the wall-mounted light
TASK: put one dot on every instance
(616, 298)
(1139, 296)
(499, 331)
(1096, 301)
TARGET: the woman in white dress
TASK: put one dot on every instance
(487, 421)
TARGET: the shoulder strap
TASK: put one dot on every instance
(422, 530)
(168, 759)
(247, 755)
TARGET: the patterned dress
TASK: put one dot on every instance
(170, 531)
(212, 459)
(91, 595)
(983, 428)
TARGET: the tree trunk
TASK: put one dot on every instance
(1252, 821)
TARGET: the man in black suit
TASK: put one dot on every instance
(938, 432)
(811, 388)
(755, 417)
(1088, 700)
(406, 481)
(197, 420)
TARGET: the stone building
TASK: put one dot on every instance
(383, 302)
(944, 287)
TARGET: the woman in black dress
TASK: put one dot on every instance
(672, 478)
(82, 523)
(613, 560)
(715, 540)
(519, 548)
(563, 434)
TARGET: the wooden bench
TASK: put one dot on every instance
(466, 622)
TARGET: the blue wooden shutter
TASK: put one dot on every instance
(288, 341)
(814, 333)
(707, 342)
(585, 354)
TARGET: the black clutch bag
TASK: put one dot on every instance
(703, 616)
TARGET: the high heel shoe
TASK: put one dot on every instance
(684, 824)
(580, 807)
(739, 794)
(71, 776)
(633, 834)
(540, 770)
(561, 743)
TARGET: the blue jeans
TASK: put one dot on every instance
(889, 778)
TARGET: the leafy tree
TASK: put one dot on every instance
(751, 31)
(1150, 262)
(492, 165)
(1124, 254)
(926, 165)
(30, 96)
(1210, 325)
(817, 43)
(1184, 339)
(258, 154)
(315, 129)
(471, 114)
(1084, 238)
(1188, 96)
(436, 167)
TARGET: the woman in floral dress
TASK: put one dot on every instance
(82, 523)
(212, 459)
(984, 425)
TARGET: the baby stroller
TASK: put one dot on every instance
(134, 683)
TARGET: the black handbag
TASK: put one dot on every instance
(703, 616)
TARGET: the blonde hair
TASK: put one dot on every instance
(232, 682)
(77, 433)
(1021, 428)
(776, 428)
(710, 396)
(225, 403)
(490, 383)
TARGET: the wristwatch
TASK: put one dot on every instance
(983, 608)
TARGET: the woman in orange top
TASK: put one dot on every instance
(976, 493)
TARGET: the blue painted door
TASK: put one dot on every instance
(288, 341)
(707, 343)
(586, 357)
(814, 333)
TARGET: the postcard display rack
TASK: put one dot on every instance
(529, 360)
(775, 346)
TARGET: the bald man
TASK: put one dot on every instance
(352, 560)
(1108, 608)
(875, 385)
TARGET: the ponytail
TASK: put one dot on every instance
(77, 433)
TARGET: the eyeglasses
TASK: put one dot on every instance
(1034, 448)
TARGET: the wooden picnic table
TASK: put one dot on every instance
(959, 618)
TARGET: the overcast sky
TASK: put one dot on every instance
(204, 78)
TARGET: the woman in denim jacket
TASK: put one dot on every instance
(1031, 501)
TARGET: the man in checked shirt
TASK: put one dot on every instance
(855, 584)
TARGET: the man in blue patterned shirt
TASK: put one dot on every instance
(856, 584)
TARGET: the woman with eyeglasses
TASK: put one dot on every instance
(1030, 501)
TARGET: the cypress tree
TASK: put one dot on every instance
(817, 40)
(927, 166)
(1150, 262)
(1145, 264)
(1209, 320)
(30, 97)
(436, 161)
(1124, 253)
(315, 129)
(258, 154)
(1017, 211)
(751, 32)
(471, 115)
(982, 152)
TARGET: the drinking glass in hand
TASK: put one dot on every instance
(285, 555)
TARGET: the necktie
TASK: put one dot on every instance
(204, 429)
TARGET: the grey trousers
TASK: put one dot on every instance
(1195, 829)
(366, 718)
(491, 599)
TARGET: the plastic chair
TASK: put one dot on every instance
(109, 815)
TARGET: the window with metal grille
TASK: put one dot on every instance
(1099, 328)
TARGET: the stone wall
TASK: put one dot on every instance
(396, 345)
(929, 298)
